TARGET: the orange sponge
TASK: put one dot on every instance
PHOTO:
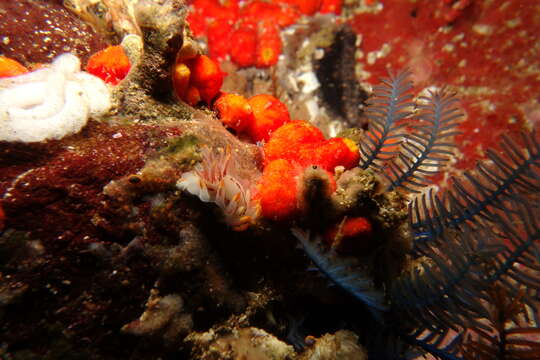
(110, 64)
(351, 227)
(193, 96)
(269, 113)
(257, 117)
(352, 235)
(288, 141)
(335, 152)
(269, 46)
(196, 78)
(289, 152)
(303, 143)
(331, 6)
(243, 46)
(206, 76)
(278, 190)
(180, 77)
(10, 67)
(234, 111)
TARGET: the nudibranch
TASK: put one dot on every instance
(216, 179)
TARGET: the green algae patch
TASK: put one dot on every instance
(182, 150)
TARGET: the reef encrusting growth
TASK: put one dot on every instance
(38, 31)
(107, 228)
(95, 227)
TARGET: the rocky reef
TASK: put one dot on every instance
(151, 217)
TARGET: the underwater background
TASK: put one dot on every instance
(269, 179)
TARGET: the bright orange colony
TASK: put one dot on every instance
(331, 6)
(243, 47)
(269, 46)
(270, 114)
(352, 234)
(234, 111)
(110, 64)
(180, 77)
(196, 78)
(10, 67)
(219, 38)
(356, 226)
(290, 150)
(336, 152)
(257, 10)
(286, 141)
(206, 76)
(193, 96)
(301, 142)
(278, 190)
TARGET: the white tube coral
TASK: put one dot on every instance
(50, 103)
(215, 180)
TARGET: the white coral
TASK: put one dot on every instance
(50, 103)
(215, 180)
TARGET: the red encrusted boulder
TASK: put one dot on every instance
(38, 31)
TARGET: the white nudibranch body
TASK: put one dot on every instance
(50, 103)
